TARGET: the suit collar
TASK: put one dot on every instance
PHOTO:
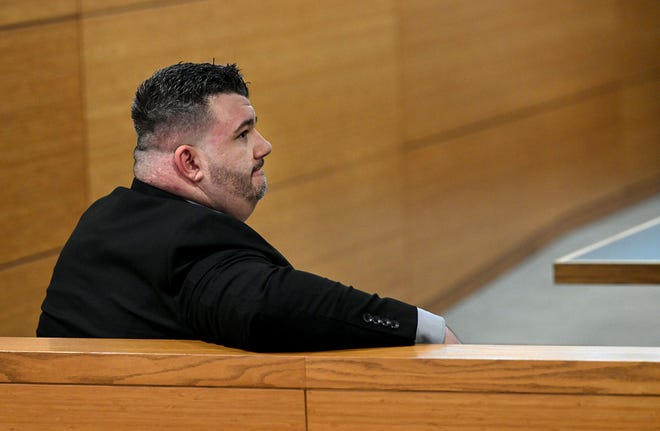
(148, 189)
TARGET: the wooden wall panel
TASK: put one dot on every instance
(66, 407)
(415, 143)
(345, 225)
(469, 61)
(639, 32)
(43, 175)
(472, 200)
(385, 411)
(104, 6)
(318, 71)
(22, 290)
(640, 106)
(21, 11)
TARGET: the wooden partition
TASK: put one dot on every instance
(410, 137)
(163, 384)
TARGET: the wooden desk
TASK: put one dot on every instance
(632, 256)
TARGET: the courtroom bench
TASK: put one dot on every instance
(49, 383)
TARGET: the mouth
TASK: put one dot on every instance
(257, 167)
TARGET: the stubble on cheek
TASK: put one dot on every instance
(239, 184)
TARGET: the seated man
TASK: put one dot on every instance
(171, 257)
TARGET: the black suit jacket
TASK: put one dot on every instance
(144, 263)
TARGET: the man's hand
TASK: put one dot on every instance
(450, 337)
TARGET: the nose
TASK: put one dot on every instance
(262, 147)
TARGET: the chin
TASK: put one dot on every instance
(260, 189)
(260, 193)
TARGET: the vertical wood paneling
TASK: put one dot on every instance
(14, 12)
(639, 32)
(473, 199)
(469, 61)
(22, 289)
(43, 174)
(415, 143)
(640, 110)
(319, 72)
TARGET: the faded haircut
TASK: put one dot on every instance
(175, 101)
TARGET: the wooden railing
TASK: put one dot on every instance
(99, 384)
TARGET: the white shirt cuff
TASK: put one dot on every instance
(430, 328)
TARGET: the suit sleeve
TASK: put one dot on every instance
(240, 299)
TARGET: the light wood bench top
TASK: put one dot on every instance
(514, 369)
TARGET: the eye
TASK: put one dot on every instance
(244, 134)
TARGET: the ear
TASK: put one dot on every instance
(188, 163)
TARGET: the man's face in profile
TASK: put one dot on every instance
(234, 149)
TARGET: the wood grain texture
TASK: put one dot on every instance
(607, 273)
(112, 345)
(22, 290)
(161, 384)
(67, 407)
(43, 178)
(501, 369)
(418, 145)
(389, 411)
(470, 200)
(189, 364)
(317, 71)
(470, 61)
(14, 12)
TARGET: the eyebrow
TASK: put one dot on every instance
(250, 122)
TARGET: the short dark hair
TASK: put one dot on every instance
(175, 98)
